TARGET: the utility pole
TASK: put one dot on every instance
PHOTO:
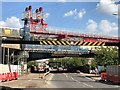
(118, 55)
(3, 55)
(118, 14)
(8, 61)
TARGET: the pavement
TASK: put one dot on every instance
(31, 80)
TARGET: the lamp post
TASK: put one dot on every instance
(115, 14)
(118, 38)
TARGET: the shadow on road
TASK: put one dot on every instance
(109, 82)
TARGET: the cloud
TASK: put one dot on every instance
(2, 24)
(46, 15)
(91, 25)
(107, 6)
(62, 1)
(81, 13)
(71, 13)
(75, 13)
(103, 27)
(106, 26)
(12, 22)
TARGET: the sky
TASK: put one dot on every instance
(82, 17)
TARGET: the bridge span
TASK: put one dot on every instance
(17, 36)
(47, 51)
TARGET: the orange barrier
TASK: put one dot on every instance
(0, 77)
(4, 77)
(119, 78)
(103, 76)
(12, 76)
(8, 76)
(15, 75)
(115, 79)
(110, 77)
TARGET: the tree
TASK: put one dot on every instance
(32, 63)
(106, 56)
(93, 64)
(71, 62)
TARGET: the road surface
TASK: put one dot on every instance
(56, 80)
(74, 80)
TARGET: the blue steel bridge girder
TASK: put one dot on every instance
(47, 51)
(55, 49)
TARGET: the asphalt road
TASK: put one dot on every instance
(56, 80)
(74, 80)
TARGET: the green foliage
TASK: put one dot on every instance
(106, 56)
(71, 62)
(93, 64)
(32, 63)
(103, 69)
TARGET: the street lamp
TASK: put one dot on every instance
(115, 13)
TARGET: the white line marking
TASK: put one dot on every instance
(89, 78)
(65, 75)
(86, 77)
(72, 78)
(50, 78)
(87, 85)
(117, 86)
(81, 82)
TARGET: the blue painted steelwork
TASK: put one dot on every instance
(56, 49)
(25, 32)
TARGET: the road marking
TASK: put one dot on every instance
(73, 78)
(50, 78)
(117, 86)
(82, 74)
(89, 78)
(81, 82)
(87, 85)
(65, 75)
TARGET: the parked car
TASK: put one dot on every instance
(60, 69)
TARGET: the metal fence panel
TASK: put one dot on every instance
(113, 70)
